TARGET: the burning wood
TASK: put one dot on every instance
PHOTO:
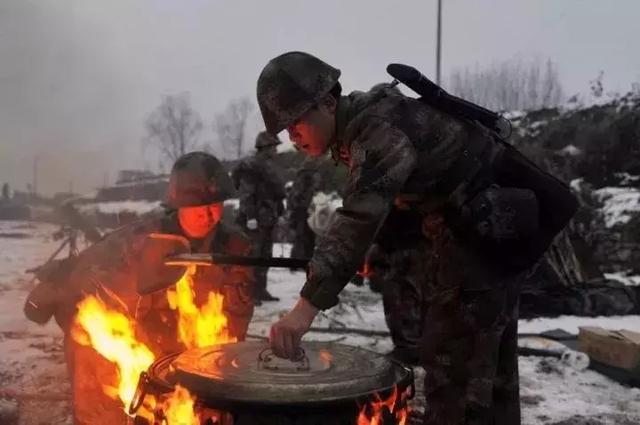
(179, 408)
(112, 334)
(376, 412)
(198, 326)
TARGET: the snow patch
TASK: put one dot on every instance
(624, 278)
(572, 324)
(551, 391)
(570, 150)
(588, 100)
(620, 204)
(234, 203)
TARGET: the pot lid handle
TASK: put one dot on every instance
(269, 361)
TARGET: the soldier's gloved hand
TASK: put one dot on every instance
(286, 333)
(252, 224)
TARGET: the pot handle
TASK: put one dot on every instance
(266, 356)
(412, 386)
(139, 395)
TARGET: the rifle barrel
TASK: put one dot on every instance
(222, 259)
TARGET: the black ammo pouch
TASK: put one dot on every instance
(514, 220)
(503, 215)
(556, 202)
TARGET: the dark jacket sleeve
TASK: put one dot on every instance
(247, 193)
(382, 159)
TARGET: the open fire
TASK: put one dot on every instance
(179, 408)
(112, 334)
(198, 326)
(376, 412)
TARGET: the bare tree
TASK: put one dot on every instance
(174, 126)
(509, 85)
(231, 125)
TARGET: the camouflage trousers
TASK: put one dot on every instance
(402, 285)
(469, 339)
(262, 239)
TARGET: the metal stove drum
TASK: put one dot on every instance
(245, 383)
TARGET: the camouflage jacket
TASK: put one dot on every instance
(153, 313)
(260, 189)
(393, 145)
(109, 267)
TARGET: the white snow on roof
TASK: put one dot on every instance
(115, 207)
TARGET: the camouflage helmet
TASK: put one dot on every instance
(264, 140)
(198, 178)
(289, 85)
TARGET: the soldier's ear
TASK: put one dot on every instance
(330, 103)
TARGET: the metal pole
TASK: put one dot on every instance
(439, 42)
(34, 186)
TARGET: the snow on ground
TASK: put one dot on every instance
(31, 358)
(551, 392)
(620, 204)
(572, 323)
(633, 280)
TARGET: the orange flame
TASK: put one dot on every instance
(326, 358)
(179, 408)
(198, 326)
(112, 334)
(372, 412)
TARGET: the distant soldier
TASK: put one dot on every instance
(261, 192)
(6, 192)
(111, 267)
(306, 183)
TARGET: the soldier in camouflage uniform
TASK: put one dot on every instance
(306, 183)
(403, 154)
(197, 188)
(110, 268)
(261, 191)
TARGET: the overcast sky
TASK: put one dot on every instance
(78, 77)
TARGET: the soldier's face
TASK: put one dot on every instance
(197, 222)
(313, 132)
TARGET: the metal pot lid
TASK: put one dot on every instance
(249, 372)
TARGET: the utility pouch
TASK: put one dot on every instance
(515, 221)
(502, 215)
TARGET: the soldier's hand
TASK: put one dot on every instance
(287, 332)
(252, 224)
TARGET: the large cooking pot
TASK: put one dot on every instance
(245, 383)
